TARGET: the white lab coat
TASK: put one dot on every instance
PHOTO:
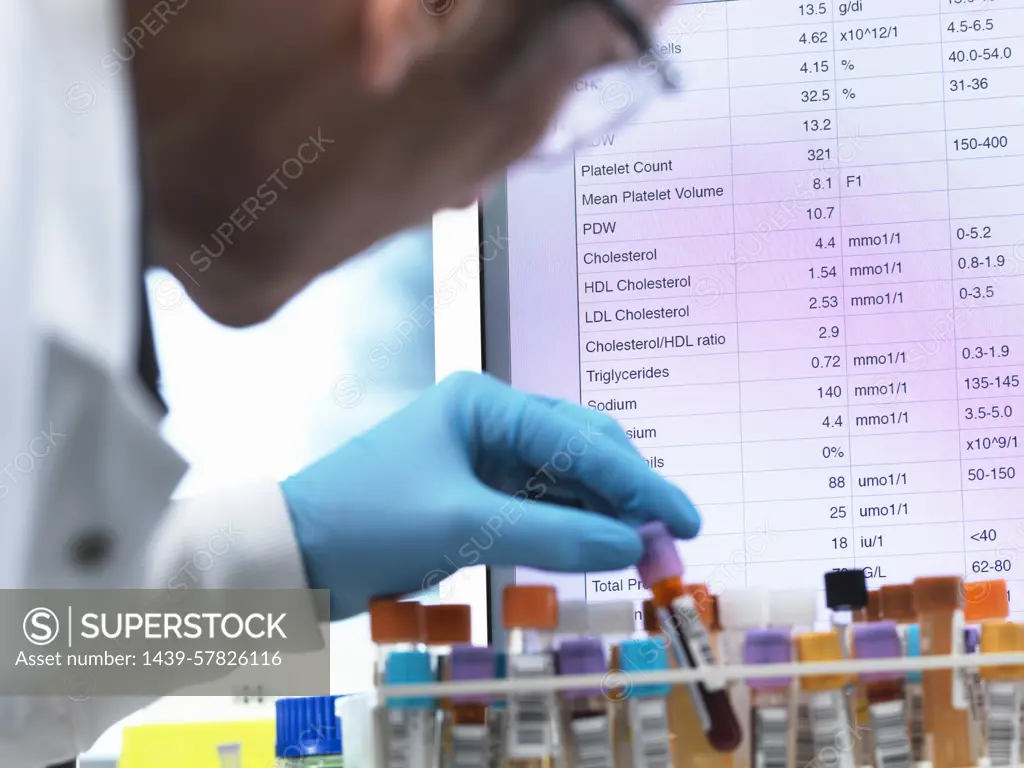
(80, 454)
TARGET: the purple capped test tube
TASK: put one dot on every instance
(877, 640)
(469, 721)
(772, 705)
(883, 693)
(586, 715)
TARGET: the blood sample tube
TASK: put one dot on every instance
(585, 713)
(1003, 694)
(845, 592)
(740, 610)
(826, 701)
(446, 626)
(497, 713)
(692, 749)
(647, 713)
(897, 604)
(983, 601)
(662, 570)
(406, 726)
(940, 610)
(470, 742)
(887, 737)
(796, 610)
(772, 707)
(531, 717)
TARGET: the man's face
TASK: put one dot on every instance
(279, 139)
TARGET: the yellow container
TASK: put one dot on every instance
(173, 745)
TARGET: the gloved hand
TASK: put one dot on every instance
(475, 472)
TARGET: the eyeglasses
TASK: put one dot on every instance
(611, 96)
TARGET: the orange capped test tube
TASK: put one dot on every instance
(405, 727)
(661, 569)
(940, 610)
(530, 617)
(826, 701)
(1003, 694)
(446, 626)
(983, 601)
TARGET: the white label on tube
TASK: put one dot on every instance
(670, 624)
(915, 703)
(471, 746)
(804, 738)
(530, 715)
(771, 737)
(697, 639)
(407, 742)
(830, 729)
(1003, 723)
(960, 698)
(649, 733)
(889, 731)
(592, 742)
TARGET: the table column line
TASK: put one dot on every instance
(952, 272)
(736, 292)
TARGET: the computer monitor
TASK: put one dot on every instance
(798, 285)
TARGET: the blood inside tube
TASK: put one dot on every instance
(692, 649)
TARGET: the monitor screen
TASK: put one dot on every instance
(798, 286)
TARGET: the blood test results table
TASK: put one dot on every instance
(801, 288)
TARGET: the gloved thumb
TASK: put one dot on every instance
(550, 537)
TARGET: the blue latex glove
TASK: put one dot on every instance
(443, 484)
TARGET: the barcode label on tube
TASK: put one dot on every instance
(406, 736)
(804, 742)
(649, 733)
(530, 714)
(1003, 723)
(471, 747)
(915, 706)
(496, 720)
(696, 638)
(771, 737)
(830, 727)
(976, 695)
(892, 739)
(592, 743)
(960, 698)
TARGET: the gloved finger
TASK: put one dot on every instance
(566, 449)
(605, 424)
(549, 537)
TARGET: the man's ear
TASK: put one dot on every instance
(398, 32)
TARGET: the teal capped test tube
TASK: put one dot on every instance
(650, 737)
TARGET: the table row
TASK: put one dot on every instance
(723, 443)
(985, 309)
(911, 463)
(848, 196)
(940, 332)
(824, 485)
(989, 514)
(684, 21)
(709, 123)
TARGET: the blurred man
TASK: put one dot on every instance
(248, 146)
